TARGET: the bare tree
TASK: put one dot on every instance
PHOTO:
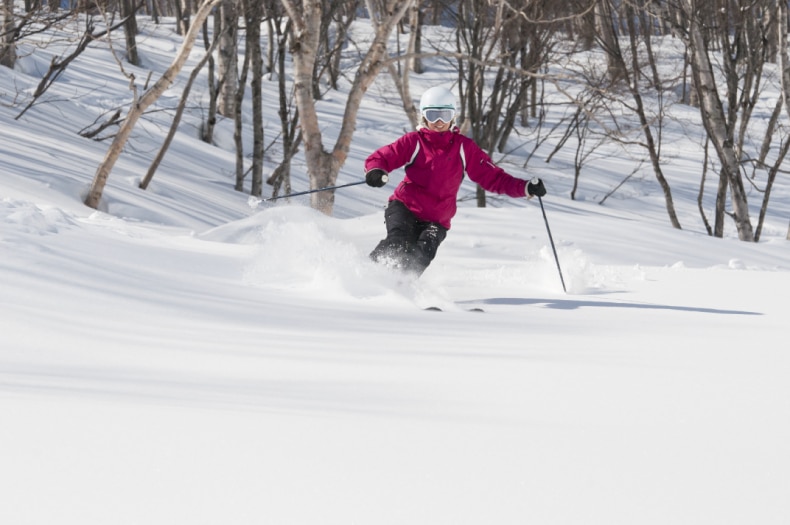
(177, 118)
(605, 21)
(631, 74)
(140, 105)
(499, 48)
(399, 70)
(58, 65)
(291, 135)
(322, 165)
(336, 23)
(726, 24)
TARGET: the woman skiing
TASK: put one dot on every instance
(436, 157)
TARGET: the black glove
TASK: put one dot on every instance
(536, 187)
(376, 177)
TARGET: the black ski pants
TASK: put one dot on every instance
(411, 244)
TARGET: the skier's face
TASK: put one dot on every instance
(438, 119)
(439, 125)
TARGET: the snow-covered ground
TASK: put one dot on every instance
(189, 356)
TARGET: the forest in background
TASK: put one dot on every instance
(516, 63)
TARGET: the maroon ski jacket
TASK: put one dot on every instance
(436, 163)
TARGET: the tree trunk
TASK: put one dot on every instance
(415, 38)
(183, 14)
(129, 13)
(207, 130)
(7, 31)
(607, 37)
(252, 16)
(304, 45)
(238, 124)
(227, 63)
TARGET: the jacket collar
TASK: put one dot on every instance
(439, 138)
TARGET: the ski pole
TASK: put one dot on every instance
(314, 191)
(551, 240)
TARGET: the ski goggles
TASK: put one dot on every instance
(433, 115)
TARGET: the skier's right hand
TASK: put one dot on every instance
(376, 177)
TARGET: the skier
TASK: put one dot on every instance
(436, 157)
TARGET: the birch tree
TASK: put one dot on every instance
(7, 31)
(323, 165)
(140, 105)
(701, 18)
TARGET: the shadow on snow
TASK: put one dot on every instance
(574, 304)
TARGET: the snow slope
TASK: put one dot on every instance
(187, 355)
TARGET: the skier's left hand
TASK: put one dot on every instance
(536, 187)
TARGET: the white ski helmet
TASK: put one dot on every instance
(437, 98)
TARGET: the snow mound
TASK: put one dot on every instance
(33, 219)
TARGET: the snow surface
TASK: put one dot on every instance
(188, 355)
